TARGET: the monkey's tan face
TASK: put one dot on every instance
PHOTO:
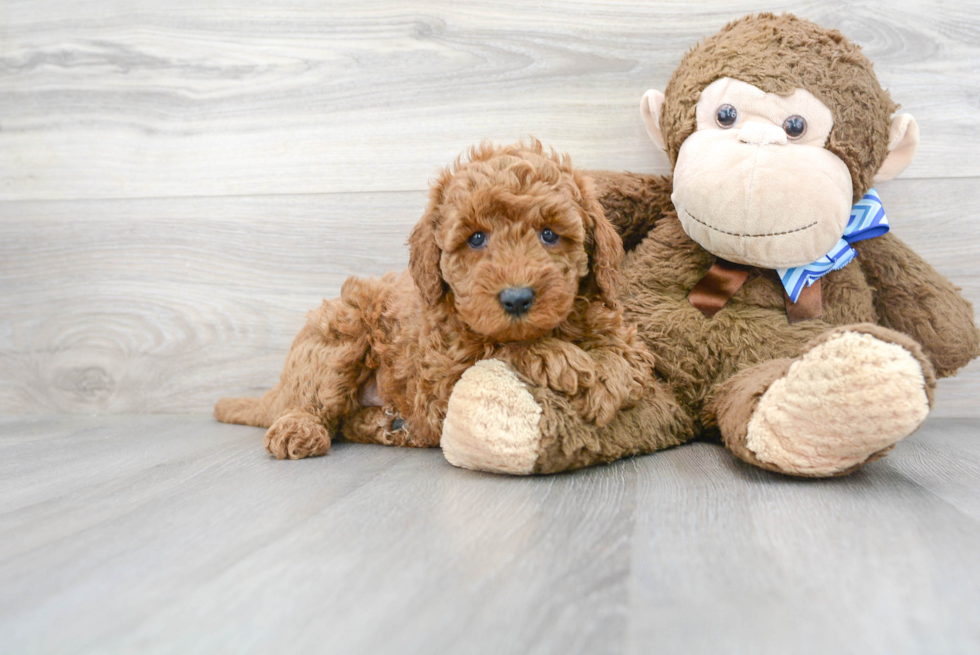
(754, 184)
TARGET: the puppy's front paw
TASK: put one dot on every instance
(558, 365)
(297, 434)
(598, 404)
(492, 422)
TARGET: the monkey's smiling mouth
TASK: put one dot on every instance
(737, 234)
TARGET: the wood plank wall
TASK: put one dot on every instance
(180, 181)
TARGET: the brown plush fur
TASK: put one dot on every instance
(716, 369)
(414, 333)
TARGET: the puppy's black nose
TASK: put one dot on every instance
(517, 300)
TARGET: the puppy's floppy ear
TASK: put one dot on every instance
(424, 252)
(607, 247)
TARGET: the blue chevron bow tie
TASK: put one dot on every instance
(867, 221)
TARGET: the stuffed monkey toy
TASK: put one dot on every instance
(786, 321)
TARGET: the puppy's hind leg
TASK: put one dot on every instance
(319, 381)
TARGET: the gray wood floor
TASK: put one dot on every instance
(178, 534)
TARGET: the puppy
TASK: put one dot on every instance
(512, 260)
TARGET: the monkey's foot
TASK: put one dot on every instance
(492, 422)
(847, 400)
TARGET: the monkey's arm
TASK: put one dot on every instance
(916, 299)
(633, 202)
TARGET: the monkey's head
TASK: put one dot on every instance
(775, 127)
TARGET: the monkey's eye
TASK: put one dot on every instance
(477, 240)
(795, 126)
(548, 237)
(726, 116)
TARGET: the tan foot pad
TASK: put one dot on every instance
(492, 422)
(844, 400)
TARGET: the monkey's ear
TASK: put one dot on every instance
(651, 106)
(903, 140)
(424, 252)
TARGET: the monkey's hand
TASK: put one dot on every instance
(915, 299)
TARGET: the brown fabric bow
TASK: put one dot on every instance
(725, 278)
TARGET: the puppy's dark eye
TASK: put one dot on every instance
(548, 237)
(726, 116)
(795, 126)
(477, 240)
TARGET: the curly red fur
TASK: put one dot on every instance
(414, 333)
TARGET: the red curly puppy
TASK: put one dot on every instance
(513, 260)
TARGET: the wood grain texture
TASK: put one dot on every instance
(132, 306)
(164, 306)
(872, 562)
(161, 534)
(140, 99)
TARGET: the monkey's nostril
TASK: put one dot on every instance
(516, 300)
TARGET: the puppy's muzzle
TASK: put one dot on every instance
(516, 301)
